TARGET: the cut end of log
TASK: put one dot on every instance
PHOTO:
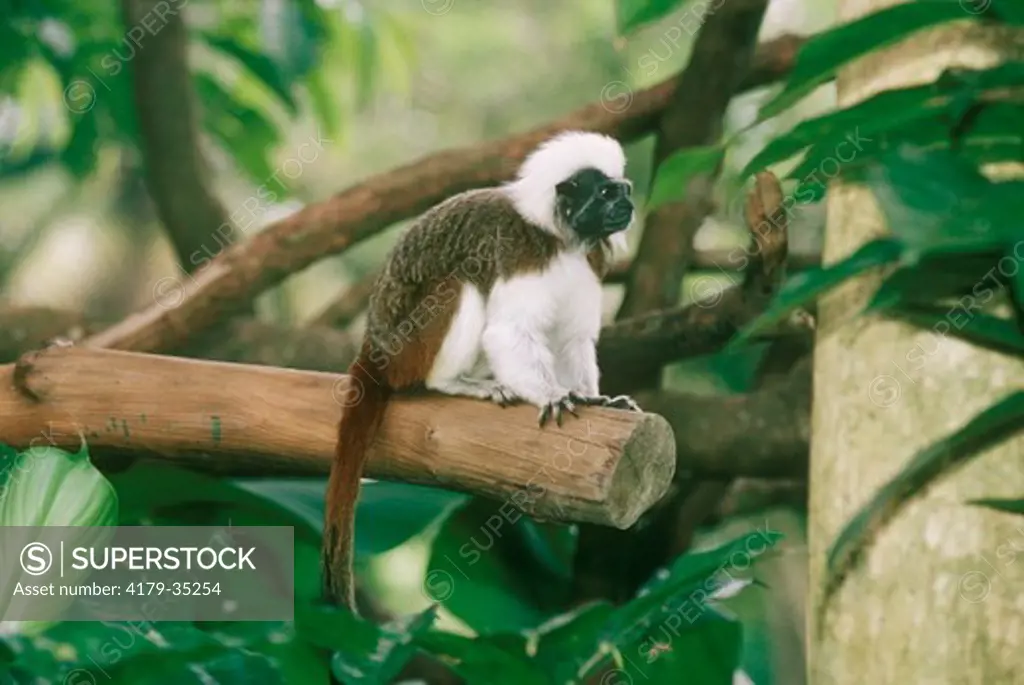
(644, 472)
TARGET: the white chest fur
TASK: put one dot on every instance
(557, 310)
(560, 303)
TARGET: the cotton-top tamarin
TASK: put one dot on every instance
(493, 294)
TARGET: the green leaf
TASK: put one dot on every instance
(992, 137)
(479, 572)
(675, 173)
(923, 114)
(80, 154)
(323, 102)
(803, 287)
(245, 132)
(1010, 506)
(632, 14)
(551, 545)
(708, 653)
(842, 134)
(985, 429)
(163, 493)
(481, 661)
(363, 652)
(1017, 286)
(388, 514)
(936, 201)
(570, 641)
(984, 330)
(821, 57)
(366, 63)
(692, 578)
(264, 69)
(48, 486)
(972, 277)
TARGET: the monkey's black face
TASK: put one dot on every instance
(594, 206)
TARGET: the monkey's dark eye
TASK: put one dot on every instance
(608, 192)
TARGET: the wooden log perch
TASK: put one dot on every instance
(605, 467)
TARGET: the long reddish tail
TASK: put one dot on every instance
(364, 407)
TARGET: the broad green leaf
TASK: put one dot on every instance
(686, 587)
(363, 652)
(675, 173)
(803, 287)
(937, 201)
(571, 641)
(152, 492)
(245, 132)
(920, 114)
(323, 103)
(293, 33)
(984, 330)
(993, 137)
(632, 14)
(707, 653)
(480, 661)
(971, 277)
(1010, 506)
(821, 57)
(80, 154)
(841, 135)
(388, 513)
(217, 664)
(552, 545)
(48, 486)
(366, 64)
(985, 429)
(1017, 286)
(478, 570)
(136, 652)
(259, 65)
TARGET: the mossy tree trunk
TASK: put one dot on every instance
(939, 595)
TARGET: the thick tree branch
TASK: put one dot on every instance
(189, 305)
(721, 58)
(176, 175)
(764, 434)
(726, 261)
(606, 467)
(351, 303)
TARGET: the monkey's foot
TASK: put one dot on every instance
(617, 402)
(479, 388)
(555, 409)
(503, 396)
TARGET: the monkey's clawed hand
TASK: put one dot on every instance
(617, 402)
(573, 400)
(554, 409)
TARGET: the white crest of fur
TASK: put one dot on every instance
(554, 161)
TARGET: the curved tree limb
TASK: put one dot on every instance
(177, 176)
(721, 58)
(188, 305)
